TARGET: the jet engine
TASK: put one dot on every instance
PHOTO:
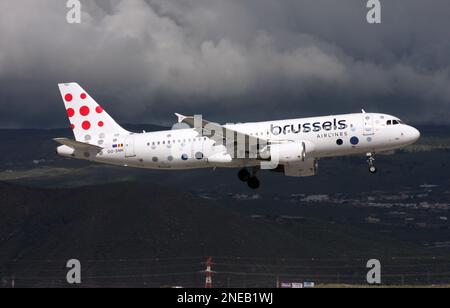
(292, 152)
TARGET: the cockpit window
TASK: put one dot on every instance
(394, 122)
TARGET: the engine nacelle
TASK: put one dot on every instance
(309, 167)
(292, 152)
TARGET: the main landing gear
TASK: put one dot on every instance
(249, 177)
(370, 161)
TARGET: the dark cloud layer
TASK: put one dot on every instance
(231, 60)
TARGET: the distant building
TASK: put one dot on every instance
(246, 197)
(428, 186)
(316, 198)
(290, 219)
(257, 217)
(373, 220)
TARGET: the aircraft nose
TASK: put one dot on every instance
(413, 134)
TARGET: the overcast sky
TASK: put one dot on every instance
(230, 60)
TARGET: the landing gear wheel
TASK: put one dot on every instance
(244, 175)
(253, 183)
(370, 160)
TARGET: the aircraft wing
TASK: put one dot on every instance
(229, 136)
(76, 145)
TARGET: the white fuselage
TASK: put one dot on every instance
(338, 135)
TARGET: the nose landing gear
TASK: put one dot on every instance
(251, 179)
(370, 161)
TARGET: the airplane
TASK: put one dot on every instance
(292, 147)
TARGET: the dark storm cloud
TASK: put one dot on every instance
(231, 60)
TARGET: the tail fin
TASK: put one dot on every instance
(88, 119)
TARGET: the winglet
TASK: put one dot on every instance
(363, 111)
(180, 117)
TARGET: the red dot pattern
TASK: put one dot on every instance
(86, 125)
(84, 111)
(70, 112)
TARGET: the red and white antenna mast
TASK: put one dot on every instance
(208, 272)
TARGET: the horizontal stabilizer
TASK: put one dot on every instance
(76, 145)
(180, 117)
